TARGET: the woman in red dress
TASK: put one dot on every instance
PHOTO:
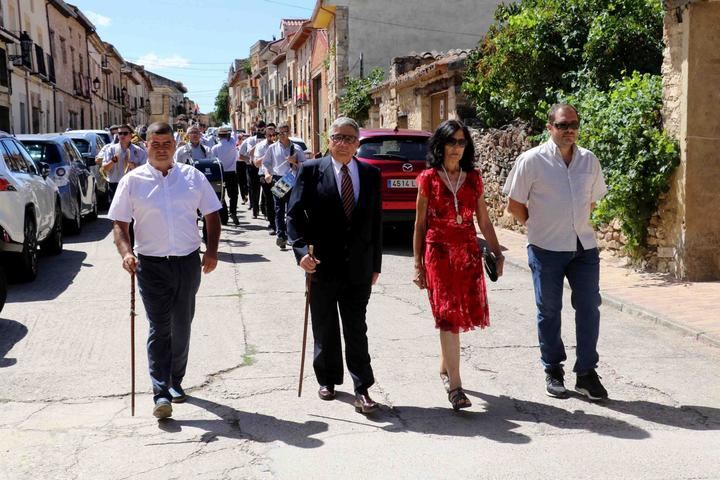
(448, 260)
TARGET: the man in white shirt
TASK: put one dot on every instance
(282, 157)
(227, 153)
(552, 190)
(246, 153)
(193, 149)
(267, 202)
(120, 158)
(164, 197)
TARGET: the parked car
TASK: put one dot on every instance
(69, 171)
(301, 143)
(30, 210)
(104, 134)
(89, 143)
(401, 156)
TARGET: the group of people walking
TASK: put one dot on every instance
(332, 218)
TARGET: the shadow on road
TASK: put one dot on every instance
(11, 332)
(397, 239)
(241, 257)
(55, 275)
(247, 425)
(690, 417)
(91, 232)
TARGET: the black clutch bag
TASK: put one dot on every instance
(490, 264)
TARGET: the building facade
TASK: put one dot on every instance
(166, 99)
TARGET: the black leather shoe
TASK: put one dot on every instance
(326, 393)
(178, 394)
(364, 404)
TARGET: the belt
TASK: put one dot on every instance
(166, 258)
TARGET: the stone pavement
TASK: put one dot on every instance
(692, 308)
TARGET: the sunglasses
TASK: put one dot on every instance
(566, 125)
(346, 139)
(122, 134)
(455, 142)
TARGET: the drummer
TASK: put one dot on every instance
(282, 157)
(193, 150)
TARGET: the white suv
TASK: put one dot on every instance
(30, 211)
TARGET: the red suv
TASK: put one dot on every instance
(401, 156)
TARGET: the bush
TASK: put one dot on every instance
(623, 128)
(536, 47)
(357, 101)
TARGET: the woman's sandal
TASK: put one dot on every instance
(445, 380)
(458, 399)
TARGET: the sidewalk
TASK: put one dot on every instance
(691, 308)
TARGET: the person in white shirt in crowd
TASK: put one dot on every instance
(207, 139)
(120, 158)
(193, 149)
(227, 153)
(553, 189)
(261, 149)
(281, 158)
(100, 156)
(246, 153)
(164, 197)
(241, 168)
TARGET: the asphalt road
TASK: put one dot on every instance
(65, 382)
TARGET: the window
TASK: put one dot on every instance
(40, 58)
(394, 148)
(44, 152)
(32, 167)
(14, 159)
(63, 50)
(3, 69)
(4, 119)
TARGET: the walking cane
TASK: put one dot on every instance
(132, 343)
(308, 283)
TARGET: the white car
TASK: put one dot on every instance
(30, 210)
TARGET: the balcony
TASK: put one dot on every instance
(249, 95)
(105, 64)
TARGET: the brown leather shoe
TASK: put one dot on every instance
(326, 393)
(364, 404)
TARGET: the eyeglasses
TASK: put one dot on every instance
(284, 132)
(456, 142)
(122, 134)
(566, 125)
(346, 139)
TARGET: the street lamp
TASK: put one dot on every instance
(96, 84)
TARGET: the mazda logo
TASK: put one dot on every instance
(407, 167)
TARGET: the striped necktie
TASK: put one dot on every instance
(348, 196)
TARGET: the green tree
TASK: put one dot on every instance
(357, 101)
(222, 105)
(536, 47)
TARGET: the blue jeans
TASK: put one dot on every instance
(280, 208)
(582, 269)
(168, 289)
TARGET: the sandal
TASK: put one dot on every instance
(458, 399)
(445, 381)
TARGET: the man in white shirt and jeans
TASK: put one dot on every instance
(163, 198)
(552, 190)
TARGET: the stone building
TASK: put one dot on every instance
(7, 39)
(363, 34)
(138, 88)
(69, 47)
(422, 91)
(685, 234)
(111, 65)
(166, 99)
(32, 76)
(238, 81)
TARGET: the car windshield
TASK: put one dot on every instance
(393, 148)
(43, 152)
(82, 145)
(106, 137)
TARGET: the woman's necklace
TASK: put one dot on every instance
(454, 189)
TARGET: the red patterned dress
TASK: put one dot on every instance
(453, 260)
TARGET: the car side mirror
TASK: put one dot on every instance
(89, 159)
(44, 169)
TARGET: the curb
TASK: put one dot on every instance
(640, 312)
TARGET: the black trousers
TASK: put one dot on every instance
(231, 186)
(242, 180)
(254, 189)
(269, 199)
(168, 288)
(326, 298)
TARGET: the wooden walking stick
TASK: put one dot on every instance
(132, 343)
(308, 283)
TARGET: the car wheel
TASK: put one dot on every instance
(53, 244)
(27, 261)
(3, 288)
(75, 224)
(92, 216)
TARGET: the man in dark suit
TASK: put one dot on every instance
(335, 206)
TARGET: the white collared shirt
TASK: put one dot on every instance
(276, 158)
(261, 149)
(558, 197)
(226, 152)
(246, 146)
(354, 176)
(136, 155)
(188, 153)
(164, 208)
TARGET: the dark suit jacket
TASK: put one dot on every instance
(348, 250)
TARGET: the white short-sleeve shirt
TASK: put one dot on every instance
(164, 208)
(227, 153)
(276, 158)
(558, 197)
(133, 154)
